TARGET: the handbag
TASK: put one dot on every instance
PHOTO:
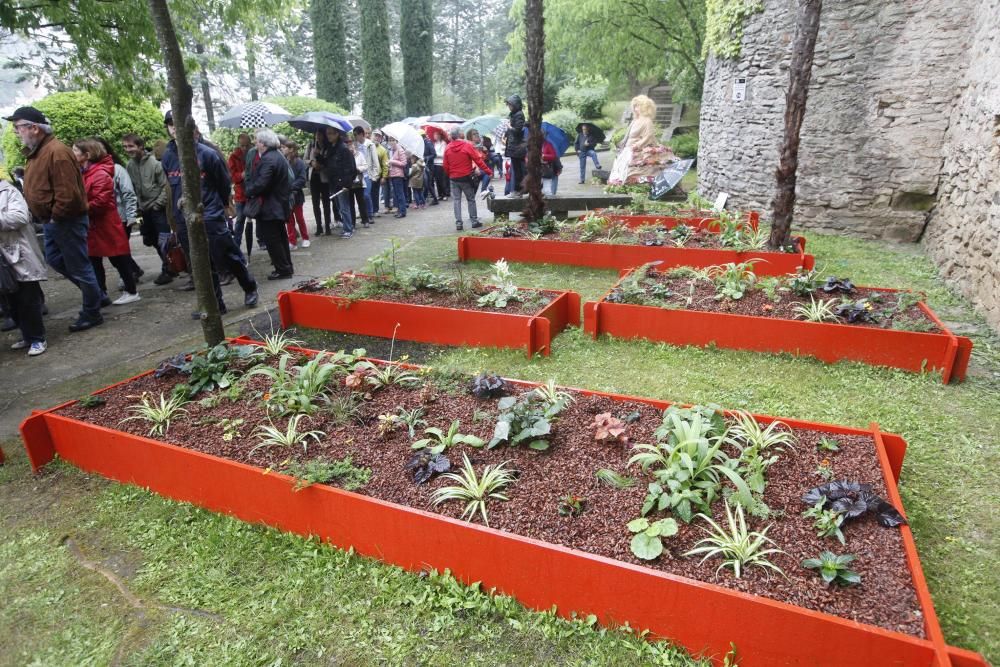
(8, 277)
(252, 207)
(176, 259)
(548, 170)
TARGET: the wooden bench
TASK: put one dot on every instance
(559, 206)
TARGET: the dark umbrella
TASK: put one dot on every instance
(594, 131)
(312, 121)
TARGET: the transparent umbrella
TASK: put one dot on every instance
(407, 136)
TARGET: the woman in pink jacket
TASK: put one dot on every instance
(398, 163)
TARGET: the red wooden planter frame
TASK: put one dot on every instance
(701, 616)
(909, 350)
(620, 256)
(433, 324)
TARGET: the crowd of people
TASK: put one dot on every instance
(87, 204)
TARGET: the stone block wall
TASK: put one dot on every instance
(963, 236)
(885, 80)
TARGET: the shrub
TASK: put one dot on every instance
(225, 137)
(604, 123)
(685, 145)
(618, 135)
(80, 114)
(586, 101)
(565, 119)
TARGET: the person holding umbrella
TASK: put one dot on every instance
(517, 146)
(268, 190)
(586, 146)
(340, 169)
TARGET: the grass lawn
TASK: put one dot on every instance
(211, 590)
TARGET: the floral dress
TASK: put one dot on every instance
(643, 158)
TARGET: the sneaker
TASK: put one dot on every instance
(83, 324)
(306, 243)
(347, 235)
(292, 246)
(458, 226)
(37, 348)
(19, 345)
(126, 298)
(250, 299)
(163, 279)
(477, 225)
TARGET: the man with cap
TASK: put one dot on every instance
(53, 188)
(216, 187)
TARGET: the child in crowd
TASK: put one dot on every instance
(417, 182)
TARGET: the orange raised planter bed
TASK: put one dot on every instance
(433, 324)
(699, 219)
(618, 256)
(916, 351)
(701, 616)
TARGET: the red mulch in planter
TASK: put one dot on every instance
(699, 238)
(757, 304)
(533, 300)
(885, 598)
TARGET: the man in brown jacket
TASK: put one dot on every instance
(54, 191)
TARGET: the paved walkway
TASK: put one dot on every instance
(136, 336)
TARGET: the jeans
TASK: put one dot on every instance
(592, 154)
(25, 308)
(550, 186)
(345, 207)
(66, 252)
(467, 187)
(376, 190)
(484, 182)
(418, 196)
(399, 193)
(368, 197)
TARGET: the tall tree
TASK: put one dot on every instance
(376, 64)
(328, 51)
(206, 88)
(799, 75)
(534, 26)
(180, 100)
(416, 43)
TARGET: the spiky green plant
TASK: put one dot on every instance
(272, 436)
(738, 546)
(816, 311)
(474, 490)
(158, 413)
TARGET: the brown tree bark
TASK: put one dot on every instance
(252, 71)
(799, 75)
(206, 89)
(180, 102)
(534, 43)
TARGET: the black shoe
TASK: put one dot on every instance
(250, 299)
(318, 232)
(225, 279)
(435, 202)
(45, 309)
(276, 275)
(82, 324)
(139, 274)
(477, 225)
(105, 301)
(163, 279)
(8, 325)
(458, 227)
(188, 286)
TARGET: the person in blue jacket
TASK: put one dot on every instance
(216, 187)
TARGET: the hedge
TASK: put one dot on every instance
(565, 119)
(225, 138)
(685, 145)
(80, 114)
(587, 102)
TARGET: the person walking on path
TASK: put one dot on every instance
(586, 146)
(290, 150)
(397, 175)
(150, 185)
(125, 200)
(216, 189)
(460, 161)
(53, 188)
(106, 237)
(516, 148)
(270, 184)
(237, 171)
(440, 176)
(319, 187)
(19, 250)
(338, 164)
(430, 158)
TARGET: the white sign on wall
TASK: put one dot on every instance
(739, 90)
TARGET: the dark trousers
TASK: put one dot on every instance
(442, 181)
(429, 190)
(227, 257)
(123, 264)
(517, 173)
(376, 189)
(319, 193)
(357, 196)
(25, 308)
(399, 193)
(274, 234)
(154, 223)
(66, 252)
(244, 225)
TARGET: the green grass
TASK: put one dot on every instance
(250, 595)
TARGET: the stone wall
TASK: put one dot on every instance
(963, 236)
(882, 94)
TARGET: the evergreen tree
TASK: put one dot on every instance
(376, 64)
(416, 42)
(328, 51)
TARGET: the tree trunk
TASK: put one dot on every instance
(799, 74)
(206, 90)
(534, 43)
(252, 70)
(180, 101)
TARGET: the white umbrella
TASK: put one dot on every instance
(407, 136)
(254, 114)
(357, 121)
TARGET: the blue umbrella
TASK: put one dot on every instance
(313, 121)
(556, 137)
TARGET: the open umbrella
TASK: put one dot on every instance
(358, 121)
(414, 121)
(555, 135)
(431, 128)
(482, 124)
(254, 114)
(445, 118)
(594, 131)
(407, 136)
(313, 121)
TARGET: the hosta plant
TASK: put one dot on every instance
(833, 568)
(738, 546)
(158, 413)
(647, 543)
(438, 441)
(475, 490)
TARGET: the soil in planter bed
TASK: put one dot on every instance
(885, 598)
(757, 304)
(699, 238)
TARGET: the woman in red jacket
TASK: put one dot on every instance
(105, 236)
